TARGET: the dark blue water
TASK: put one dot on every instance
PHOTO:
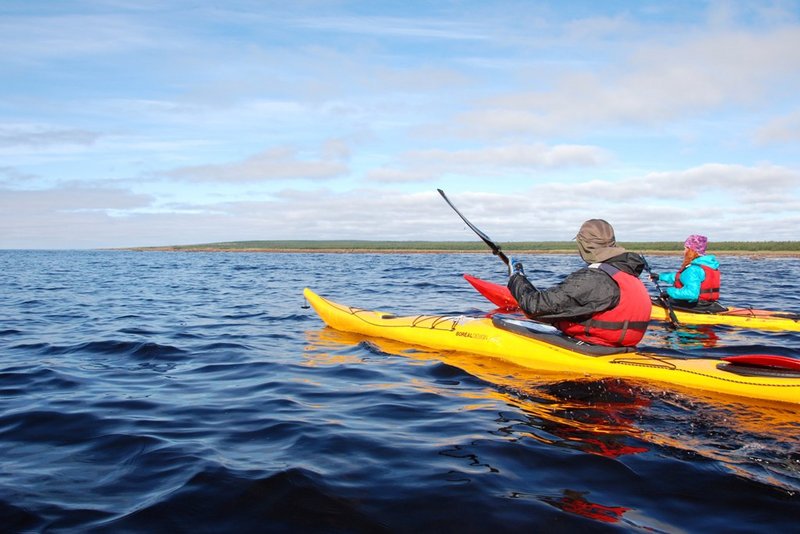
(193, 392)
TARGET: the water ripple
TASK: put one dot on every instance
(194, 392)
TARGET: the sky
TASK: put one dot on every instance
(129, 123)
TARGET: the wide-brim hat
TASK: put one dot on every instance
(596, 241)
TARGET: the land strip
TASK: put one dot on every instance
(751, 248)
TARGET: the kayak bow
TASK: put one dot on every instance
(501, 297)
(536, 346)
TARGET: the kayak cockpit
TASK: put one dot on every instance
(553, 336)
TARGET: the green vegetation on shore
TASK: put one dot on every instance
(791, 247)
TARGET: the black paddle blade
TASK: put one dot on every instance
(494, 247)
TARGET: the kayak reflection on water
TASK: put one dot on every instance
(594, 416)
(612, 418)
(575, 502)
(692, 336)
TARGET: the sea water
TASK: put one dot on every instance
(196, 392)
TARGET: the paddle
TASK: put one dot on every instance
(498, 295)
(765, 360)
(492, 245)
(665, 301)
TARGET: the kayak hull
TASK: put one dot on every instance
(501, 297)
(481, 335)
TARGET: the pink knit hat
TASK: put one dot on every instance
(697, 243)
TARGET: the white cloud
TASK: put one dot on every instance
(68, 198)
(281, 163)
(699, 190)
(38, 37)
(397, 27)
(654, 206)
(511, 156)
(782, 129)
(389, 175)
(422, 165)
(657, 83)
(11, 176)
(43, 136)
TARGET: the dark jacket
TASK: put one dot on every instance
(579, 295)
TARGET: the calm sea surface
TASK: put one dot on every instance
(194, 392)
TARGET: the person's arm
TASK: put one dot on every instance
(668, 278)
(691, 278)
(582, 293)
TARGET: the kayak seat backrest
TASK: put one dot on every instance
(529, 329)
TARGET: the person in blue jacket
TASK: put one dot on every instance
(697, 282)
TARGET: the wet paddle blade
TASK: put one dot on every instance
(498, 295)
(765, 360)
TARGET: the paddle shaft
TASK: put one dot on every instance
(491, 244)
(665, 301)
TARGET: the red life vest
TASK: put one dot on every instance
(709, 288)
(623, 325)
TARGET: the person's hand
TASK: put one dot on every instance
(516, 266)
(654, 276)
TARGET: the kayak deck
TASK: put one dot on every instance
(482, 335)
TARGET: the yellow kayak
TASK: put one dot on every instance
(738, 317)
(536, 346)
(501, 297)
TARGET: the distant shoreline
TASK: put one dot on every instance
(755, 252)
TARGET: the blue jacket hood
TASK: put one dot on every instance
(708, 260)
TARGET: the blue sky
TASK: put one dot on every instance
(137, 123)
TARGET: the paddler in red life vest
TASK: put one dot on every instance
(604, 303)
(697, 282)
